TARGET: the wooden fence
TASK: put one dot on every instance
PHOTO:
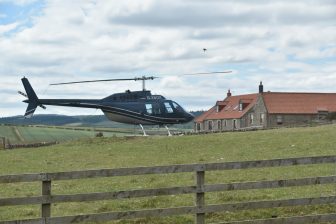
(199, 189)
(2, 143)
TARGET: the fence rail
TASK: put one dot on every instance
(199, 189)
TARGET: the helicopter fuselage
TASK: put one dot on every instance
(138, 107)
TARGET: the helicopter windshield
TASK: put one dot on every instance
(177, 107)
(168, 107)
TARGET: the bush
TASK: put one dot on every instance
(99, 134)
(331, 116)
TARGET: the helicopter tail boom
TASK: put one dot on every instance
(32, 100)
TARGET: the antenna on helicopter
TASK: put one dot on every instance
(142, 78)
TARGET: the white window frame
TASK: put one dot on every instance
(262, 118)
(210, 125)
(279, 119)
(251, 118)
(198, 126)
(219, 124)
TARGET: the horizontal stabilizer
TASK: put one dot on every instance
(30, 110)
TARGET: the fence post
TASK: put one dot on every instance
(200, 202)
(46, 192)
(3, 142)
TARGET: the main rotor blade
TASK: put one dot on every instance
(107, 80)
(135, 79)
(208, 73)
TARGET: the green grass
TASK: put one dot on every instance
(116, 152)
(39, 133)
(8, 132)
(31, 134)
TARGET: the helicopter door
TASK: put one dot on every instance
(156, 109)
(153, 108)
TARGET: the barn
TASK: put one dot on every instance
(267, 110)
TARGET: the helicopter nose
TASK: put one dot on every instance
(190, 117)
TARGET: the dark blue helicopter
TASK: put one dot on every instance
(130, 107)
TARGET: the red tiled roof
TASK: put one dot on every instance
(231, 109)
(299, 103)
(203, 116)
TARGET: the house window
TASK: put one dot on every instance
(217, 108)
(219, 125)
(251, 119)
(279, 119)
(234, 124)
(149, 108)
(210, 125)
(224, 124)
(322, 115)
(262, 118)
(240, 106)
(198, 126)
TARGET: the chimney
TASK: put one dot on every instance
(228, 93)
(261, 87)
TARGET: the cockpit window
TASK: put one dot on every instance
(149, 108)
(168, 107)
(177, 107)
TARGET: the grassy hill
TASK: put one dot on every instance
(148, 151)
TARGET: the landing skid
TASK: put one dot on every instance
(145, 134)
(143, 130)
(169, 134)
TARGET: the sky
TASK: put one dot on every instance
(288, 45)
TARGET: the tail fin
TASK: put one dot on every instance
(32, 101)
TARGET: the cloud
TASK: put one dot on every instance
(7, 28)
(288, 45)
(228, 13)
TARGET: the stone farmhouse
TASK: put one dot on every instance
(266, 110)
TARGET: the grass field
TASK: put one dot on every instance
(33, 134)
(118, 152)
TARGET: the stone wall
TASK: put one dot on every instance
(260, 113)
(218, 125)
(279, 120)
(256, 116)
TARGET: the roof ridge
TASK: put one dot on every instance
(297, 93)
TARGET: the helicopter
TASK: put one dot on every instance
(129, 107)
